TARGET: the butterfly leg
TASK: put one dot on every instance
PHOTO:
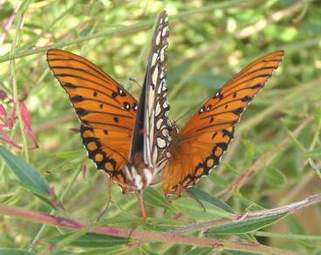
(142, 204)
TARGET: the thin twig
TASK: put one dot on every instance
(140, 235)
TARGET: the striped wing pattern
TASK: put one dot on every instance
(157, 124)
(106, 111)
(201, 143)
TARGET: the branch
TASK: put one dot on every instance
(290, 208)
(141, 235)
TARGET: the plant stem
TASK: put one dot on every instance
(141, 235)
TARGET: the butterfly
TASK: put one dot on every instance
(134, 141)
(127, 139)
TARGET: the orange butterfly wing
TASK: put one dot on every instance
(200, 144)
(106, 111)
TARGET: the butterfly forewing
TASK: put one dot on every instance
(106, 111)
(201, 143)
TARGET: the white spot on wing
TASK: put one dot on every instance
(165, 132)
(162, 74)
(155, 75)
(163, 85)
(164, 31)
(158, 109)
(159, 123)
(161, 143)
(162, 54)
(165, 104)
(158, 36)
(154, 58)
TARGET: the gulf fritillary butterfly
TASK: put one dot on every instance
(133, 141)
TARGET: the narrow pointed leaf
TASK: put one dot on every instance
(93, 240)
(245, 226)
(27, 175)
(203, 196)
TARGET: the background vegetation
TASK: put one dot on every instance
(277, 143)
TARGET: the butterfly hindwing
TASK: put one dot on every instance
(201, 143)
(106, 111)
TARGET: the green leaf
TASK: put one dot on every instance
(245, 226)
(9, 251)
(92, 240)
(199, 251)
(107, 250)
(191, 207)
(153, 197)
(28, 176)
(201, 195)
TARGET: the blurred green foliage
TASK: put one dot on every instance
(209, 42)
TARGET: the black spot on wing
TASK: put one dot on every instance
(257, 86)
(238, 111)
(246, 99)
(81, 112)
(227, 133)
(69, 86)
(76, 99)
(223, 146)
